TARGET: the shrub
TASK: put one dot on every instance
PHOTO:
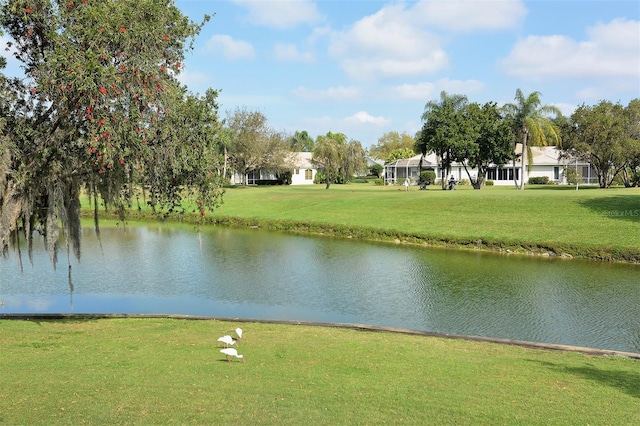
(539, 180)
(464, 182)
(376, 170)
(427, 177)
(488, 182)
(378, 182)
(572, 175)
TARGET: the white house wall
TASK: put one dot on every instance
(546, 162)
(303, 176)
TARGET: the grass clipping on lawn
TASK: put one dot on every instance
(168, 371)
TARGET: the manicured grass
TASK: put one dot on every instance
(551, 220)
(590, 222)
(168, 371)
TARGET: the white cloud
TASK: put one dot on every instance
(399, 40)
(611, 51)
(470, 15)
(566, 109)
(281, 14)
(289, 52)
(332, 93)
(193, 79)
(363, 117)
(386, 44)
(366, 126)
(427, 90)
(229, 47)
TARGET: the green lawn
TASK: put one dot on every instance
(167, 371)
(589, 222)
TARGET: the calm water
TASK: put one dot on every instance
(264, 275)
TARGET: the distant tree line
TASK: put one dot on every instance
(479, 136)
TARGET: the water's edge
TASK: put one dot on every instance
(360, 327)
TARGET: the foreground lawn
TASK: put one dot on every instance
(167, 371)
(590, 222)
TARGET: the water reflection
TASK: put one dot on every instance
(258, 274)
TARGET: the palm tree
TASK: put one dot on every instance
(532, 126)
(301, 141)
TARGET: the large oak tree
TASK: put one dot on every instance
(606, 135)
(97, 109)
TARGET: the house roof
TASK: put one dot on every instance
(428, 161)
(302, 160)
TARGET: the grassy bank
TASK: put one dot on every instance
(165, 371)
(550, 220)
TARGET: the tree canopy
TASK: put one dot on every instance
(253, 144)
(390, 144)
(607, 135)
(337, 159)
(442, 130)
(301, 141)
(488, 142)
(98, 110)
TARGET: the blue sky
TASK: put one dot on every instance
(367, 67)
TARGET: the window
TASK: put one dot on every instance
(502, 174)
(308, 174)
(297, 171)
(556, 173)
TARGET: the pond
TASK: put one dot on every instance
(256, 274)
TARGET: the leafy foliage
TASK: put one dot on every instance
(607, 136)
(337, 159)
(442, 129)
(99, 109)
(253, 144)
(476, 136)
(400, 154)
(301, 142)
(488, 141)
(392, 142)
(427, 177)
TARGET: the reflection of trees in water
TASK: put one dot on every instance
(331, 279)
(517, 297)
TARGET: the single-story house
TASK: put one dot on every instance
(546, 162)
(303, 172)
(300, 172)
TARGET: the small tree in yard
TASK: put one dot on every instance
(488, 143)
(338, 159)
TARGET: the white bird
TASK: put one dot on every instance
(239, 332)
(229, 352)
(227, 340)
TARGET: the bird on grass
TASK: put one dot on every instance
(239, 333)
(227, 340)
(229, 352)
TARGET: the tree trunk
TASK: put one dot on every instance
(224, 168)
(515, 181)
(328, 182)
(524, 151)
